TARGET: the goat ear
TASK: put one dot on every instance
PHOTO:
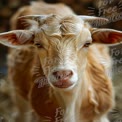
(106, 36)
(16, 38)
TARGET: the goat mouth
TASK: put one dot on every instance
(63, 84)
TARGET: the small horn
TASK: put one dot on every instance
(34, 20)
(95, 21)
(88, 18)
(33, 17)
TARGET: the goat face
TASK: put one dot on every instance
(62, 45)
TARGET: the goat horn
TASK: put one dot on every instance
(36, 17)
(33, 17)
(95, 20)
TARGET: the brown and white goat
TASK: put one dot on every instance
(64, 75)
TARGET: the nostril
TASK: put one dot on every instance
(69, 73)
(64, 74)
(57, 74)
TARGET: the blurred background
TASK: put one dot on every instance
(111, 9)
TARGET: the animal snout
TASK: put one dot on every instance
(63, 74)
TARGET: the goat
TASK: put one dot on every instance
(60, 64)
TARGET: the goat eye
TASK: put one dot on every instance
(87, 44)
(38, 45)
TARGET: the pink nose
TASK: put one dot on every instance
(63, 74)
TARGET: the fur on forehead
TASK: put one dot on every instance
(59, 26)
